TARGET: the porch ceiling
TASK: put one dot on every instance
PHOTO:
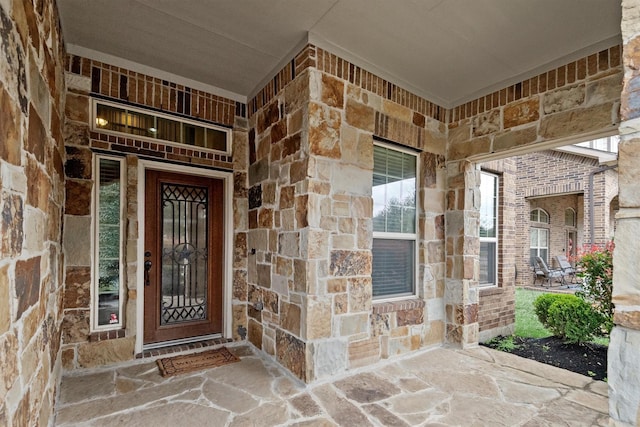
(448, 51)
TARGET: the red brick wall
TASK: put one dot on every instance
(555, 181)
(496, 312)
(552, 181)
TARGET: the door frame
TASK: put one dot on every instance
(227, 178)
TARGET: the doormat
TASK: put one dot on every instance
(193, 362)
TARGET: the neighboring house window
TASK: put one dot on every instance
(488, 229)
(108, 235)
(539, 244)
(539, 215)
(569, 217)
(539, 237)
(394, 222)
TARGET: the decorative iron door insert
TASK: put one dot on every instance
(183, 256)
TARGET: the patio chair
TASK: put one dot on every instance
(544, 273)
(565, 266)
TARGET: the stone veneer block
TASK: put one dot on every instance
(624, 376)
(604, 90)
(11, 224)
(101, 353)
(332, 91)
(468, 148)
(77, 107)
(318, 318)
(291, 353)
(10, 142)
(515, 138)
(629, 182)
(255, 333)
(626, 291)
(359, 115)
(76, 134)
(78, 197)
(360, 294)
(290, 317)
(78, 287)
(520, 113)
(579, 121)
(27, 284)
(365, 352)
(627, 319)
(75, 326)
(353, 324)
(5, 301)
(37, 134)
(350, 263)
(324, 131)
(76, 245)
(484, 124)
(435, 334)
(564, 99)
(329, 357)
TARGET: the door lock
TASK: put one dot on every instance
(147, 267)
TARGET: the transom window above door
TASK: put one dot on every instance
(159, 127)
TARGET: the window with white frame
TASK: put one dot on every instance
(107, 288)
(539, 245)
(394, 222)
(488, 229)
(538, 236)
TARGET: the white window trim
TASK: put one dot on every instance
(494, 239)
(95, 246)
(151, 112)
(403, 236)
(537, 248)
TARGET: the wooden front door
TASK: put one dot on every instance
(183, 260)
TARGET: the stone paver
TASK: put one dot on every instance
(438, 387)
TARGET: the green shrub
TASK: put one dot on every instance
(568, 317)
(544, 302)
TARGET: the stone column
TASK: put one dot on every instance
(462, 222)
(624, 348)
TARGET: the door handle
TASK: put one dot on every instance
(147, 267)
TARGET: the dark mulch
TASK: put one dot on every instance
(587, 359)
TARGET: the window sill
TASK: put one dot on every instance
(400, 305)
(491, 290)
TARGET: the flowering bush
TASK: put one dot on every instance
(595, 267)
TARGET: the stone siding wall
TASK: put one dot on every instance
(31, 202)
(624, 367)
(86, 78)
(310, 217)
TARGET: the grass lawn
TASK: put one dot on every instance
(527, 323)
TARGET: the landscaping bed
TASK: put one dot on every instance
(588, 359)
(533, 341)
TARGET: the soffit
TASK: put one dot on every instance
(448, 51)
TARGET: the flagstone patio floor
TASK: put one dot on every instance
(437, 387)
